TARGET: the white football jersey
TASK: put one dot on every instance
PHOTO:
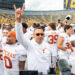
(66, 39)
(64, 54)
(12, 54)
(61, 30)
(28, 35)
(72, 56)
(1, 60)
(30, 29)
(51, 37)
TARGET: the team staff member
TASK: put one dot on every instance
(38, 54)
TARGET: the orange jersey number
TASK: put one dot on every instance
(52, 39)
(1, 51)
(69, 47)
(10, 63)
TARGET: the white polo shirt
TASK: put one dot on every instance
(38, 55)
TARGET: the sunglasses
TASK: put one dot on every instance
(38, 34)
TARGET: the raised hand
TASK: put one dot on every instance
(18, 13)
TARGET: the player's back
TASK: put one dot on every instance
(51, 37)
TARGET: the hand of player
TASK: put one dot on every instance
(18, 13)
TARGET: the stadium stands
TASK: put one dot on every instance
(36, 16)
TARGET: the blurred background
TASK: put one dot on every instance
(37, 11)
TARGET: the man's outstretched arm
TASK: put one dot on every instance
(18, 26)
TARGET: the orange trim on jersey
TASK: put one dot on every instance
(1, 57)
(52, 39)
(1, 50)
(6, 53)
(69, 46)
(10, 63)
